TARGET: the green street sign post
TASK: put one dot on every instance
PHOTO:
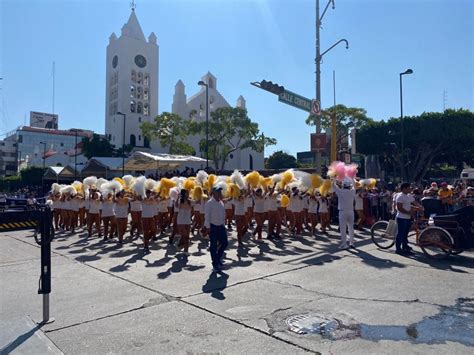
(295, 100)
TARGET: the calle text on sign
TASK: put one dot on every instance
(295, 100)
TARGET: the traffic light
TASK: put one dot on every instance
(269, 86)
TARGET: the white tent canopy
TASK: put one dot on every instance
(140, 161)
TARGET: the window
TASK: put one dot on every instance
(62, 144)
(146, 110)
(139, 138)
(145, 94)
(146, 142)
(201, 109)
(146, 80)
(132, 91)
(115, 77)
(139, 93)
(139, 119)
(20, 139)
(140, 78)
(140, 107)
(211, 83)
(211, 102)
(132, 106)
(134, 76)
(133, 141)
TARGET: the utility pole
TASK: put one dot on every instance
(318, 60)
(75, 157)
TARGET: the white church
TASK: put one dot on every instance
(132, 89)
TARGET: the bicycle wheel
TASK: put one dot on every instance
(379, 235)
(435, 242)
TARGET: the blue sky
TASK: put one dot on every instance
(241, 41)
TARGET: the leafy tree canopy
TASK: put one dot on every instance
(97, 146)
(281, 160)
(432, 137)
(346, 118)
(230, 130)
(171, 130)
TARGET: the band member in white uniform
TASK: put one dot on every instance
(345, 205)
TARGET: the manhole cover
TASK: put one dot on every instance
(312, 324)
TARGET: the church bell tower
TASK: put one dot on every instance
(131, 84)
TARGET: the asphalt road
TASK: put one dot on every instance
(111, 299)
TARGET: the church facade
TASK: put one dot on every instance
(132, 89)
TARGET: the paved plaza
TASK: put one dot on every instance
(108, 298)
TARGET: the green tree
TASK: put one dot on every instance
(281, 160)
(431, 138)
(230, 130)
(346, 119)
(32, 175)
(120, 151)
(97, 146)
(172, 131)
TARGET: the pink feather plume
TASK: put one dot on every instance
(351, 170)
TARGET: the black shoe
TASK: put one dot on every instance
(400, 252)
(407, 248)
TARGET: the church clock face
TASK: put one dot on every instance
(115, 62)
(140, 61)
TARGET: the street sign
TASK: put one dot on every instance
(318, 142)
(315, 107)
(295, 100)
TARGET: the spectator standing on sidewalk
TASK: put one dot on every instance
(406, 206)
(215, 224)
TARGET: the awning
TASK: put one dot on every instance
(141, 161)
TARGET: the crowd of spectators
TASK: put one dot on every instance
(378, 202)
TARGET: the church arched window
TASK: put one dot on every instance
(140, 107)
(211, 102)
(145, 94)
(134, 76)
(133, 140)
(201, 109)
(132, 106)
(132, 91)
(146, 110)
(140, 78)
(139, 92)
(211, 83)
(146, 80)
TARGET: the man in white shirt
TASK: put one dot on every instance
(214, 222)
(406, 206)
(345, 198)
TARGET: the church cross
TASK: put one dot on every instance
(133, 5)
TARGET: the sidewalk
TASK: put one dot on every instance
(107, 298)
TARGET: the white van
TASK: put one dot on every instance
(467, 176)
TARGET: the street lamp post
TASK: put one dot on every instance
(402, 136)
(123, 141)
(202, 83)
(318, 60)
